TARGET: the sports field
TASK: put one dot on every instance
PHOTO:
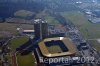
(26, 60)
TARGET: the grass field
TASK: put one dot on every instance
(51, 20)
(15, 43)
(7, 29)
(48, 18)
(54, 49)
(26, 60)
(87, 29)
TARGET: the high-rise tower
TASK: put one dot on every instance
(41, 29)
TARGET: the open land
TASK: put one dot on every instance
(21, 60)
(26, 60)
(7, 29)
(87, 29)
(15, 43)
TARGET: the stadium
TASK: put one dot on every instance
(58, 46)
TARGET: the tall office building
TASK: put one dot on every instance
(44, 27)
(37, 28)
(41, 29)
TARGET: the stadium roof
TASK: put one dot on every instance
(67, 44)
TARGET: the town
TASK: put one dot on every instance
(50, 37)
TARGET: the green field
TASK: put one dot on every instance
(54, 49)
(87, 29)
(15, 43)
(48, 18)
(51, 20)
(26, 60)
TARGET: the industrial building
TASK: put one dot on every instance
(28, 32)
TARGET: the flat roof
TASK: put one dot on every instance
(28, 30)
(70, 48)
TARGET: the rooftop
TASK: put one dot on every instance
(28, 30)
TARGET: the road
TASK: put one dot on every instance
(3, 54)
(77, 39)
